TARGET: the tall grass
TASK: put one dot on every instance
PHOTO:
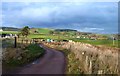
(22, 54)
(89, 59)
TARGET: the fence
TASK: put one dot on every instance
(29, 41)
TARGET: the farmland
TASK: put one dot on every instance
(84, 55)
(45, 34)
(9, 32)
(100, 42)
(44, 30)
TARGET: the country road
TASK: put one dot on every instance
(53, 62)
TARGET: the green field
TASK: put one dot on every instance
(9, 32)
(100, 42)
(40, 31)
(46, 36)
(44, 30)
(93, 42)
(44, 33)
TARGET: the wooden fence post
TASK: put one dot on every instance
(22, 41)
(86, 64)
(90, 67)
(100, 71)
(15, 44)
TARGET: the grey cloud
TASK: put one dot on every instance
(61, 15)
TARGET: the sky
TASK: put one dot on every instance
(96, 17)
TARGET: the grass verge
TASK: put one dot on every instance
(23, 56)
(72, 62)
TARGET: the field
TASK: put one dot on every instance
(9, 32)
(44, 33)
(47, 36)
(110, 43)
(100, 42)
(93, 57)
(44, 30)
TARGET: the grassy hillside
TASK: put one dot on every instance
(44, 30)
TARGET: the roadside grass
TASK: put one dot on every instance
(77, 62)
(35, 49)
(7, 43)
(22, 55)
(71, 62)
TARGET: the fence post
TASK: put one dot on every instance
(86, 64)
(90, 67)
(100, 71)
(15, 44)
(22, 41)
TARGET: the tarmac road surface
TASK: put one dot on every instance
(53, 62)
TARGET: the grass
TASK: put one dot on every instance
(44, 30)
(46, 36)
(35, 49)
(9, 32)
(29, 54)
(44, 33)
(7, 43)
(61, 37)
(99, 42)
(77, 63)
(72, 62)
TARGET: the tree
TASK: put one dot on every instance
(51, 32)
(19, 34)
(25, 31)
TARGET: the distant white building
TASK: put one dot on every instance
(78, 37)
(70, 41)
(1, 30)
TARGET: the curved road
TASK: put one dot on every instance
(53, 62)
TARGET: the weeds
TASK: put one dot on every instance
(23, 55)
(88, 59)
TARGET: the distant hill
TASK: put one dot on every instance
(10, 29)
(65, 30)
(47, 30)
